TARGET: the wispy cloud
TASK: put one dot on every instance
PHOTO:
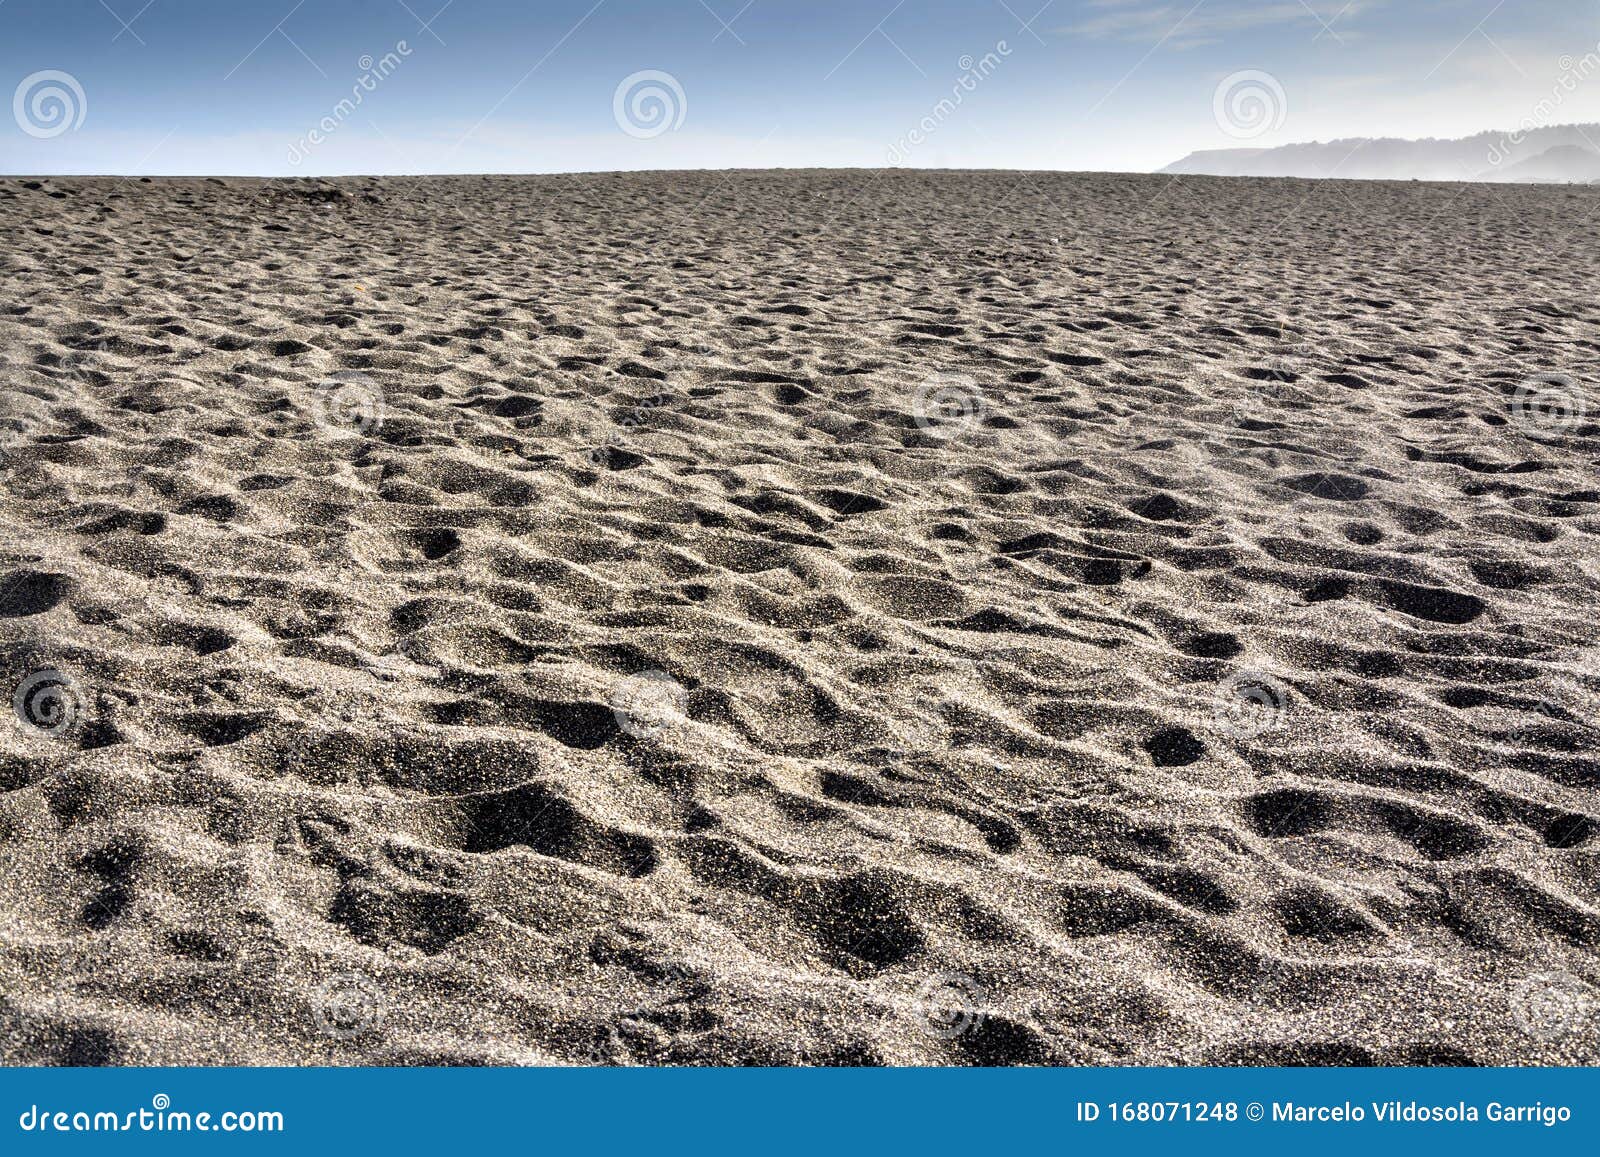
(1141, 22)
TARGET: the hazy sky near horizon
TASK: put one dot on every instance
(255, 86)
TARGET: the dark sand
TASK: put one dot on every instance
(799, 618)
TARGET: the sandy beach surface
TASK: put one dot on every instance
(799, 618)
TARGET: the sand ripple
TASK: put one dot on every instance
(832, 618)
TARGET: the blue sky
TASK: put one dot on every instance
(255, 86)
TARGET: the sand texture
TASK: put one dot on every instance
(799, 618)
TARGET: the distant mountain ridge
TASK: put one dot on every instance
(1557, 153)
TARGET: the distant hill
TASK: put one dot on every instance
(1560, 163)
(1558, 153)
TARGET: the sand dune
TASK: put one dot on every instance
(826, 618)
